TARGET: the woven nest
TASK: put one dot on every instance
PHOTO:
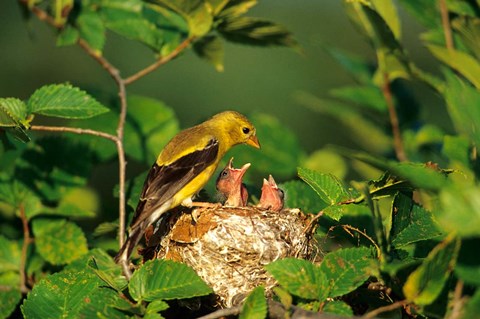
(229, 246)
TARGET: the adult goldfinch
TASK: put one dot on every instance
(183, 167)
(229, 185)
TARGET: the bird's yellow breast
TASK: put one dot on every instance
(194, 186)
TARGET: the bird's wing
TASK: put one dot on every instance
(163, 182)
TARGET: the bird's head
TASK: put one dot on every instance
(272, 197)
(230, 179)
(238, 128)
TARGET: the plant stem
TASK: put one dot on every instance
(383, 309)
(447, 30)
(74, 130)
(23, 257)
(397, 135)
(161, 61)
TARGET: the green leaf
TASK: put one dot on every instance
(299, 277)
(460, 210)
(68, 36)
(13, 118)
(462, 101)
(328, 187)
(387, 10)
(139, 29)
(211, 49)
(236, 8)
(368, 96)
(105, 268)
(411, 223)
(280, 154)
(462, 62)
(9, 255)
(196, 12)
(92, 30)
(165, 279)
(150, 125)
(59, 241)
(346, 270)
(457, 148)
(64, 100)
(425, 284)
(472, 307)
(425, 11)
(338, 307)
(10, 294)
(254, 31)
(299, 195)
(255, 306)
(468, 28)
(72, 294)
(17, 195)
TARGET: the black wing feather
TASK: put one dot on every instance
(163, 182)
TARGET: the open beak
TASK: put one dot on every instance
(253, 141)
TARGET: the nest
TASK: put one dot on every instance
(229, 246)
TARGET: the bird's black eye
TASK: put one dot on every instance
(281, 193)
(245, 130)
(224, 173)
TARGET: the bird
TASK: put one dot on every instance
(229, 185)
(181, 170)
(272, 197)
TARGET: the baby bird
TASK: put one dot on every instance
(272, 197)
(230, 186)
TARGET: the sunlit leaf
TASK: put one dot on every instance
(328, 187)
(92, 30)
(9, 255)
(338, 307)
(425, 284)
(300, 195)
(110, 272)
(64, 100)
(255, 306)
(10, 294)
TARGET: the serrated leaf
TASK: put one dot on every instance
(17, 195)
(254, 31)
(64, 100)
(13, 118)
(462, 62)
(425, 284)
(9, 255)
(299, 277)
(156, 306)
(328, 187)
(211, 49)
(59, 241)
(462, 101)
(346, 270)
(139, 29)
(338, 307)
(300, 195)
(165, 279)
(255, 306)
(10, 294)
(92, 30)
(196, 12)
(105, 268)
(71, 294)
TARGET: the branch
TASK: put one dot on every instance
(75, 131)
(393, 306)
(23, 258)
(397, 135)
(458, 301)
(161, 61)
(447, 30)
(222, 313)
(122, 163)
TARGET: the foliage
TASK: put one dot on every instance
(408, 231)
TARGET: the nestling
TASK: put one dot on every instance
(230, 186)
(272, 197)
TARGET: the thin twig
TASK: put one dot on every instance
(309, 227)
(221, 313)
(397, 135)
(347, 228)
(458, 301)
(74, 130)
(383, 309)
(447, 30)
(161, 61)
(23, 258)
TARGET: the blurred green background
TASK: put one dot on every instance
(261, 79)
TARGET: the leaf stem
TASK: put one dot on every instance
(23, 257)
(393, 306)
(397, 136)
(447, 30)
(161, 61)
(74, 130)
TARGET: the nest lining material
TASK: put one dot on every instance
(228, 247)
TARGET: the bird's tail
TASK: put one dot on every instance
(134, 237)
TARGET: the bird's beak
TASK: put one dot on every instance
(253, 141)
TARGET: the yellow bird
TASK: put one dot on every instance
(182, 169)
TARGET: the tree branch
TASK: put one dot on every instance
(161, 61)
(397, 135)
(75, 131)
(447, 30)
(23, 257)
(393, 306)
